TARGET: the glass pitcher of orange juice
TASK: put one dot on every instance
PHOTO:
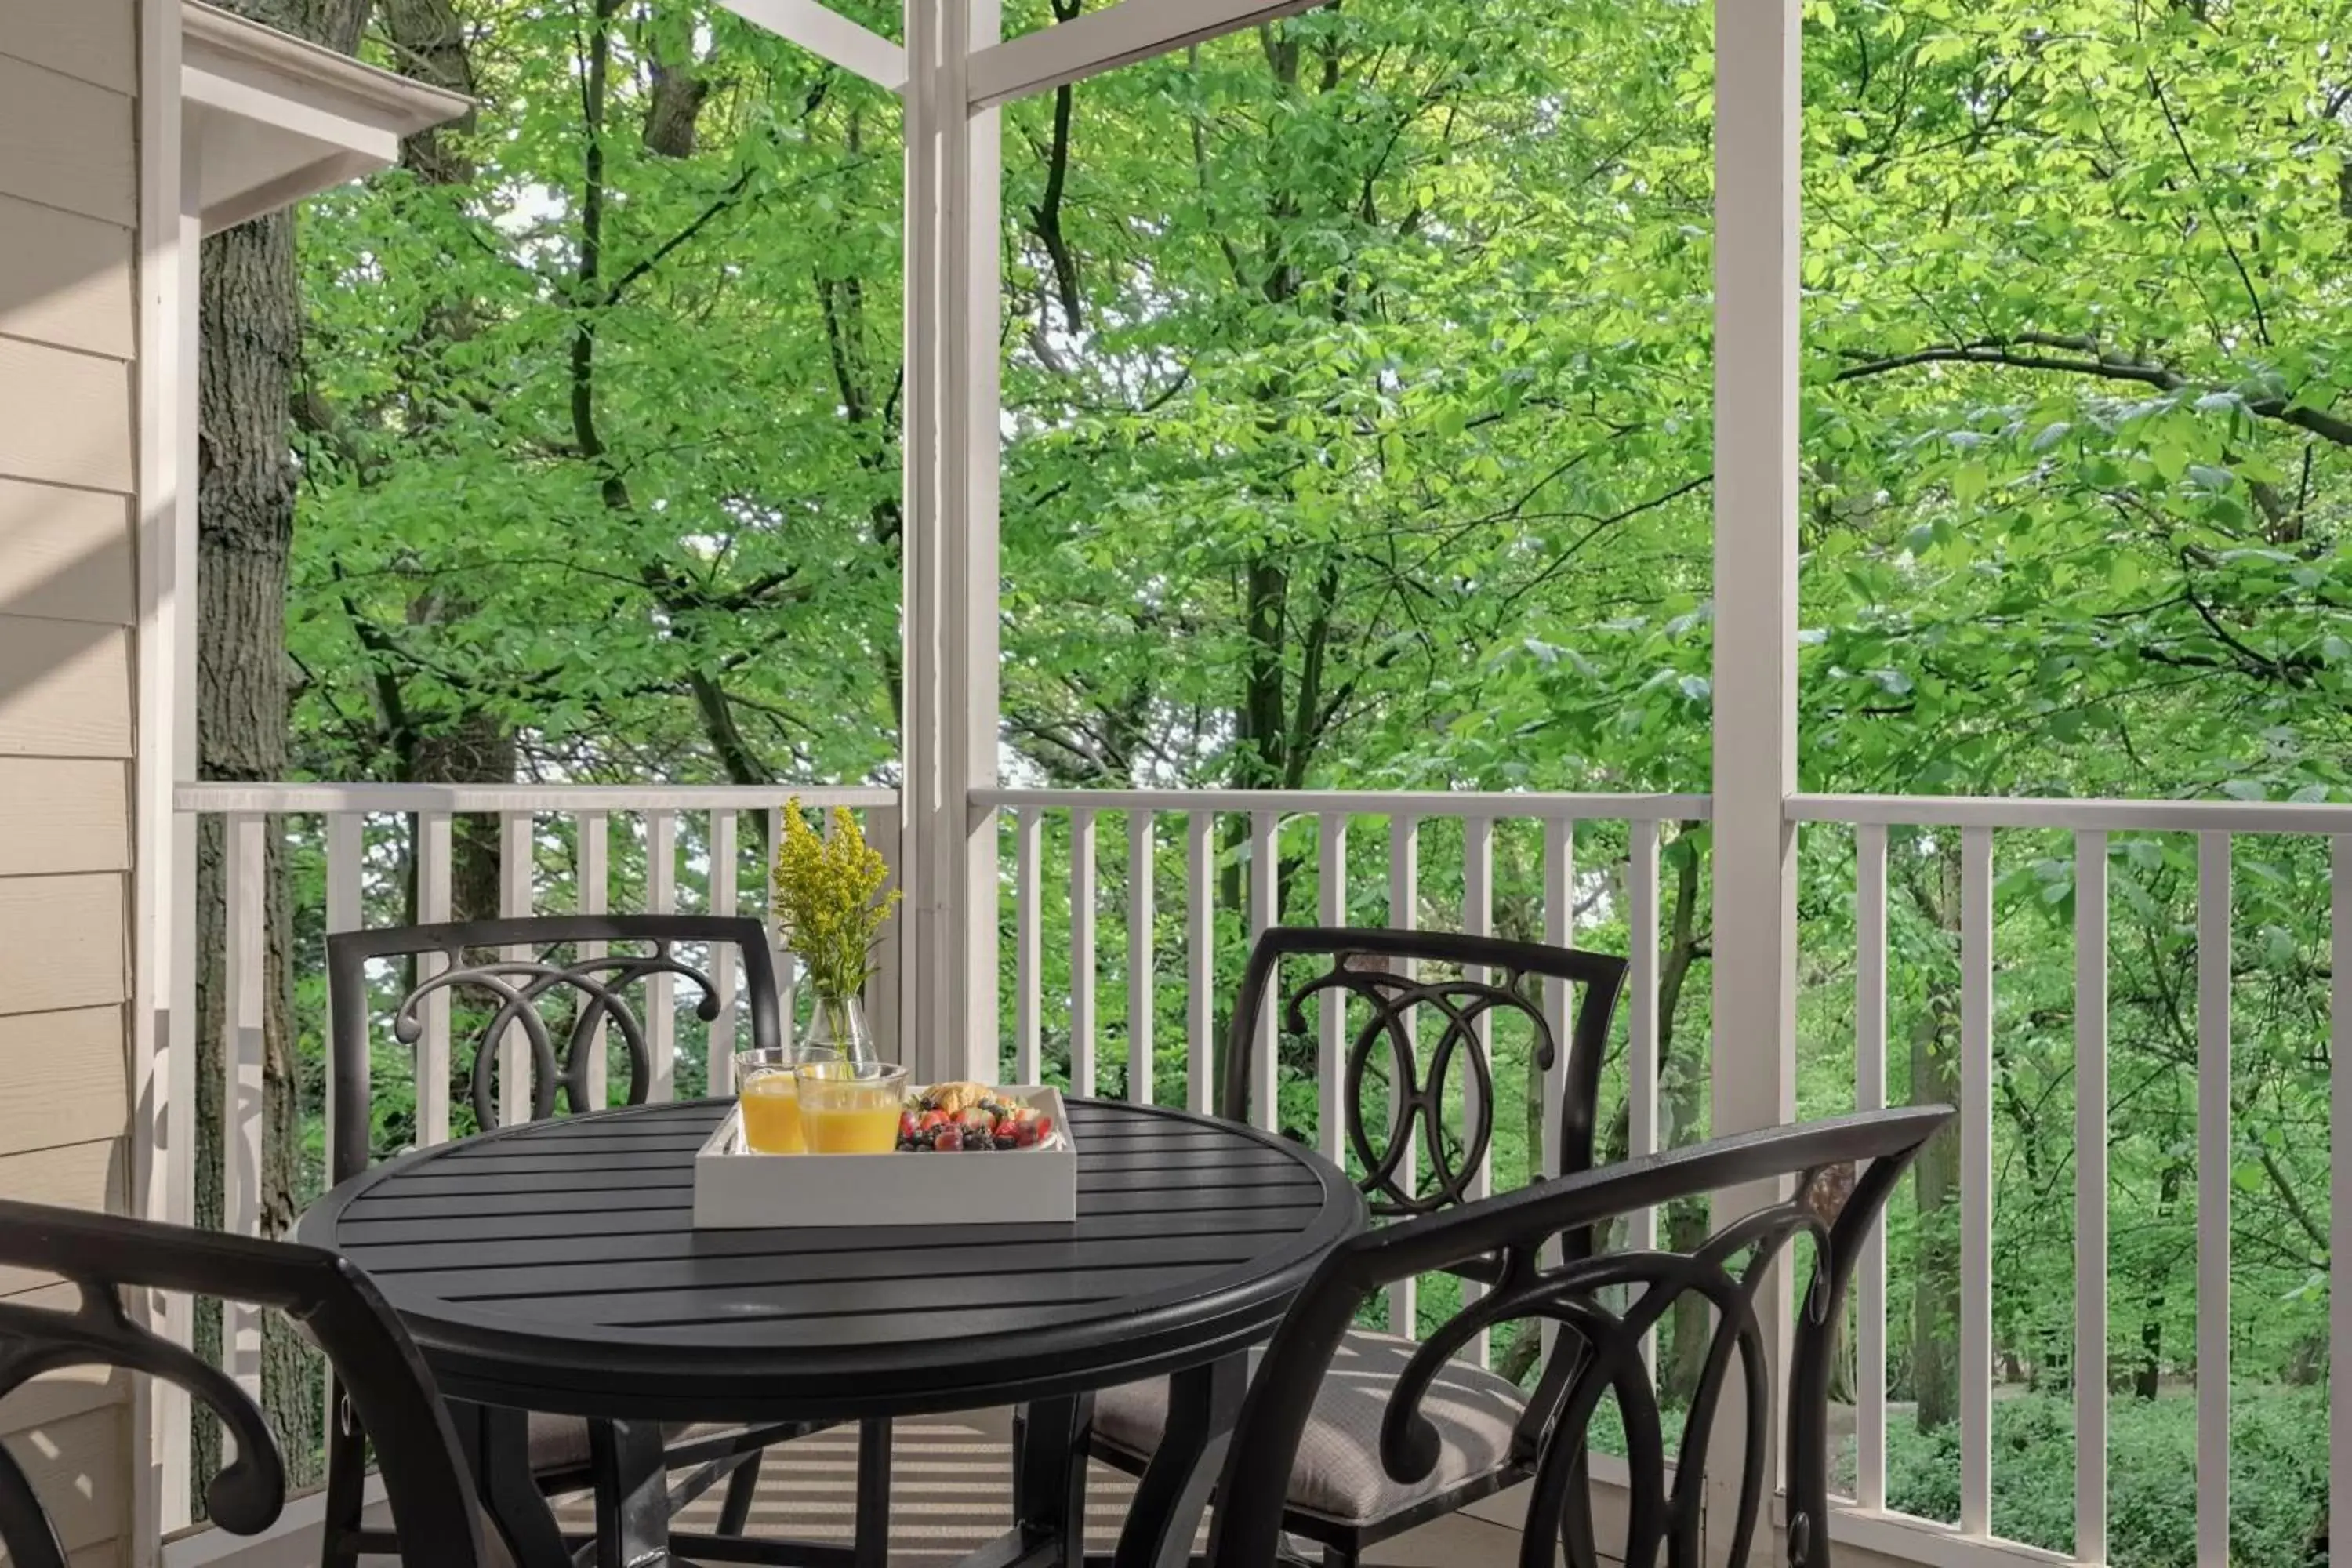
(768, 1088)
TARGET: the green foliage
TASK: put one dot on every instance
(2278, 1475)
(1357, 382)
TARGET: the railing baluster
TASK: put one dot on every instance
(1642, 1024)
(1200, 960)
(346, 847)
(435, 857)
(1330, 1064)
(1405, 914)
(1028, 825)
(171, 1426)
(2090, 1196)
(1264, 908)
(885, 998)
(2215, 1163)
(1870, 1094)
(243, 965)
(1559, 931)
(721, 1070)
(1141, 976)
(515, 1066)
(1082, 951)
(787, 975)
(2339, 1179)
(594, 894)
(1478, 919)
(661, 899)
(1975, 1181)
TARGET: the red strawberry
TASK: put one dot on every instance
(950, 1140)
(932, 1119)
(908, 1126)
(1045, 1126)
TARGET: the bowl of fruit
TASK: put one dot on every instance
(969, 1117)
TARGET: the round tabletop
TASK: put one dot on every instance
(555, 1267)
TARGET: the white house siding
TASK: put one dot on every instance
(69, 206)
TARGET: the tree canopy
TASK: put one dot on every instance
(1358, 432)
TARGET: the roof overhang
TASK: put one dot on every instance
(271, 119)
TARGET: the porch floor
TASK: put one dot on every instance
(951, 1493)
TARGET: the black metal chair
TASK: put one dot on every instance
(1844, 1169)
(425, 1478)
(1339, 1498)
(594, 989)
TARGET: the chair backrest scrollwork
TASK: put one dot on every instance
(516, 991)
(379, 1369)
(1392, 1003)
(1842, 1170)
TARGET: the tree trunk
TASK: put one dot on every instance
(2148, 1375)
(1680, 1087)
(251, 327)
(1935, 1078)
(476, 746)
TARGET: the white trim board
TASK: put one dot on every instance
(272, 119)
(1103, 40)
(829, 36)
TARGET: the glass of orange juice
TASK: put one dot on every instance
(851, 1108)
(767, 1086)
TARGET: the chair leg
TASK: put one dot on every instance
(1577, 1541)
(735, 1513)
(872, 1541)
(1338, 1557)
(346, 1487)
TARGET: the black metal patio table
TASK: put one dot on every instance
(554, 1266)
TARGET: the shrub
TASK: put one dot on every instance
(2278, 1481)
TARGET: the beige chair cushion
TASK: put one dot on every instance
(561, 1442)
(1338, 1474)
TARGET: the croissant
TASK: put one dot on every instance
(955, 1098)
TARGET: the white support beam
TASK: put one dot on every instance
(971, 290)
(162, 1013)
(927, 914)
(829, 36)
(950, 443)
(1102, 40)
(1758, 105)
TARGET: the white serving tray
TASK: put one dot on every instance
(737, 1189)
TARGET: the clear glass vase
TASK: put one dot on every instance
(838, 1023)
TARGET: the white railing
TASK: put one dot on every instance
(1978, 820)
(369, 836)
(1159, 924)
(1254, 832)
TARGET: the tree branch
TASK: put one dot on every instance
(2024, 353)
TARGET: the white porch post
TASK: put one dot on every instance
(925, 910)
(952, 162)
(1758, 106)
(977, 388)
(162, 1011)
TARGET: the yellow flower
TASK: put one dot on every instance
(830, 902)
